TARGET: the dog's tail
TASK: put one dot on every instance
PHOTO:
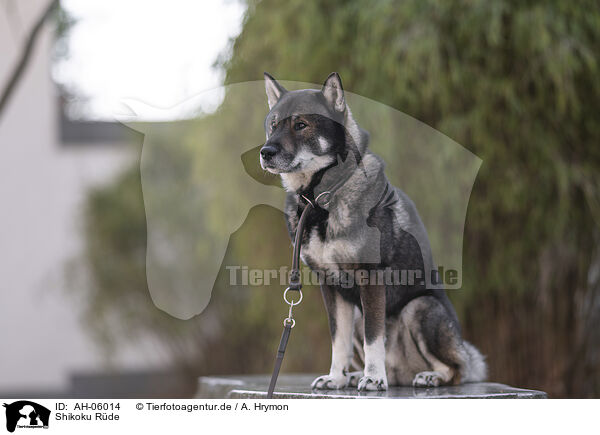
(474, 367)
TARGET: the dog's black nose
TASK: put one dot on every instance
(268, 151)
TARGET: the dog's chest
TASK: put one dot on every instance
(329, 252)
(328, 242)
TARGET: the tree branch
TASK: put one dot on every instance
(25, 56)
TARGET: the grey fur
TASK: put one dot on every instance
(406, 334)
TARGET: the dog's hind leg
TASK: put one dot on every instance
(441, 374)
(444, 357)
(341, 323)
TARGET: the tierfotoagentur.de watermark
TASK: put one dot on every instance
(345, 278)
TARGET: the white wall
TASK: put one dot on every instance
(42, 186)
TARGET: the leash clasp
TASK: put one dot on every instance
(289, 320)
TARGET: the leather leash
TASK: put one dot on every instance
(295, 285)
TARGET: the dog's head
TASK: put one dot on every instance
(305, 129)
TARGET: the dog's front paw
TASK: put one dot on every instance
(371, 383)
(427, 379)
(354, 377)
(330, 382)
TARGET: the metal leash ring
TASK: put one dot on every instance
(326, 195)
(292, 303)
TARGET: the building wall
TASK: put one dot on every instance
(42, 187)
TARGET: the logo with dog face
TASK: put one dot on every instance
(202, 176)
(26, 414)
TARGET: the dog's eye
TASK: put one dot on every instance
(273, 125)
(299, 125)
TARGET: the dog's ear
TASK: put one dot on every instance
(334, 92)
(274, 90)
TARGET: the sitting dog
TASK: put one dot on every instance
(408, 332)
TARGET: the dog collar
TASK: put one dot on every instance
(322, 200)
(323, 195)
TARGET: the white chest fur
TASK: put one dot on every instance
(329, 253)
(348, 239)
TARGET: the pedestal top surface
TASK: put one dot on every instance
(297, 386)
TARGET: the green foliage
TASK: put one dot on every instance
(516, 83)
